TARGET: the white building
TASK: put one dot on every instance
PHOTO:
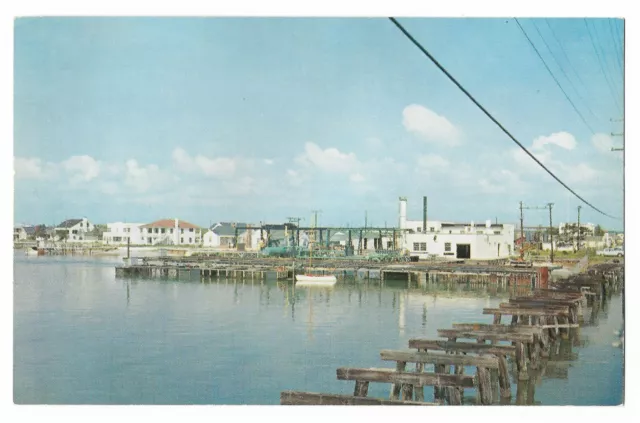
(223, 235)
(121, 233)
(74, 230)
(456, 240)
(170, 232)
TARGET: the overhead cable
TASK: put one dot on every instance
(452, 79)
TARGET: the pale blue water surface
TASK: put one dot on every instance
(83, 336)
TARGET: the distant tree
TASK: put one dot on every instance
(62, 234)
(40, 231)
(98, 230)
(598, 231)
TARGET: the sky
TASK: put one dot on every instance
(258, 120)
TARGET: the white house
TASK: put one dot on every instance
(121, 233)
(223, 235)
(170, 232)
(456, 240)
(76, 229)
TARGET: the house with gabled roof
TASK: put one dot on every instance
(223, 235)
(170, 232)
(73, 230)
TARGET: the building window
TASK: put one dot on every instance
(480, 232)
(423, 246)
(181, 231)
(449, 231)
(149, 240)
(75, 231)
(419, 230)
(149, 230)
(170, 231)
(190, 229)
(416, 246)
(447, 246)
(181, 240)
(156, 230)
(496, 232)
(432, 229)
(189, 240)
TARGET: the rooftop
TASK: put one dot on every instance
(170, 223)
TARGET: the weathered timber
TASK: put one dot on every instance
(484, 386)
(503, 377)
(465, 347)
(536, 305)
(311, 398)
(361, 389)
(492, 336)
(521, 362)
(419, 390)
(560, 325)
(521, 311)
(429, 358)
(497, 328)
(416, 379)
(545, 299)
(396, 388)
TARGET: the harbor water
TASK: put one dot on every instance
(83, 336)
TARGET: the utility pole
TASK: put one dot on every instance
(522, 207)
(621, 134)
(579, 207)
(521, 233)
(550, 205)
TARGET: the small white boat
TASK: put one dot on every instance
(323, 280)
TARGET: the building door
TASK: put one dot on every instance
(463, 251)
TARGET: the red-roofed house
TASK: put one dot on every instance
(170, 232)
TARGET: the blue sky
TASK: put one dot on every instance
(215, 119)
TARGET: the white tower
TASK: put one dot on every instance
(403, 213)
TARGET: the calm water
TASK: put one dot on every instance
(81, 336)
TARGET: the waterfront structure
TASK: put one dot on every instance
(23, 232)
(123, 233)
(74, 230)
(170, 232)
(223, 235)
(455, 240)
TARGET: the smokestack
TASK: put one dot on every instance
(424, 214)
(403, 212)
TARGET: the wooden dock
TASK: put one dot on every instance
(538, 342)
(255, 268)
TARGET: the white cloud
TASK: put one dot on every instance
(268, 162)
(28, 168)
(218, 167)
(429, 125)
(602, 142)
(432, 161)
(561, 139)
(357, 178)
(141, 178)
(329, 160)
(82, 168)
(294, 178)
(579, 173)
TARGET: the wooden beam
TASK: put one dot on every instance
(416, 379)
(311, 398)
(522, 312)
(537, 305)
(429, 358)
(498, 328)
(547, 301)
(489, 336)
(463, 347)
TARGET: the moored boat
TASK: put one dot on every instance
(323, 280)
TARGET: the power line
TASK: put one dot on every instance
(554, 77)
(607, 58)
(562, 69)
(617, 48)
(566, 56)
(611, 90)
(452, 79)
